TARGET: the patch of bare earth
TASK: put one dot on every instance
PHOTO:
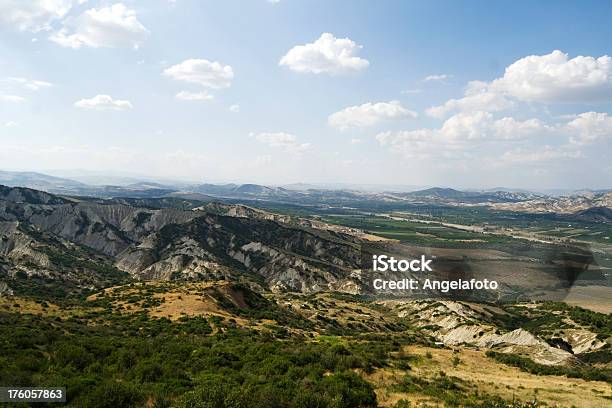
(596, 298)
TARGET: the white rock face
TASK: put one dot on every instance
(582, 341)
(456, 323)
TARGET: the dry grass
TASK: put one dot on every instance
(492, 378)
(16, 304)
(185, 300)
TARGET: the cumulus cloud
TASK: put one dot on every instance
(327, 55)
(356, 141)
(480, 136)
(194, 96)
(10, 124)
(550, 78)
(369, 114)
(285, 141)
(212, 75)
(103, 103)
(110, 27)
(482, 125)
(477, 97)
(556, 78)
(460, 133)
(33, 15)
(234, 108)
(590, 127)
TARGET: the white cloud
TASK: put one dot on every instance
(437, 77)
(556, 78)
(11, 98)
(327, 55)
(10, 124)
(508, 128)
(482, 125)
(369, 114)
(460, 134)
(110, 27)
(481, 137)
(234, 108)
(356, 141)
(590, 127)
(477, 97)
(33, 15)
(202, 72)
(419, 144)
(102, 103)
(194, 96)
(537, 78)
(30, 84)
(285, 141)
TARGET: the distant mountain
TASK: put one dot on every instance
(242, 190)
(510, 190)
(58, 185)
(502, 199)
(450, 195)
(143, 185)
(300, 186)
(131, 191)
(561, 205)
(38, 181)
(214, 189)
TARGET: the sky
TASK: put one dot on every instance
(471, 94)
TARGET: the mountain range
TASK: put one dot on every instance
(589, 204)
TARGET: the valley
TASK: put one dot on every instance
(170, 291)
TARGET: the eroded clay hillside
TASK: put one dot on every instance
(213, 242)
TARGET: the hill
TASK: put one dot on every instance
(210, 242)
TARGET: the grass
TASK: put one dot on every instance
(527, 365)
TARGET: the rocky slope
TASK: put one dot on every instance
(468, 324)
(210, 242)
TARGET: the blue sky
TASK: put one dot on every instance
(464, 94)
